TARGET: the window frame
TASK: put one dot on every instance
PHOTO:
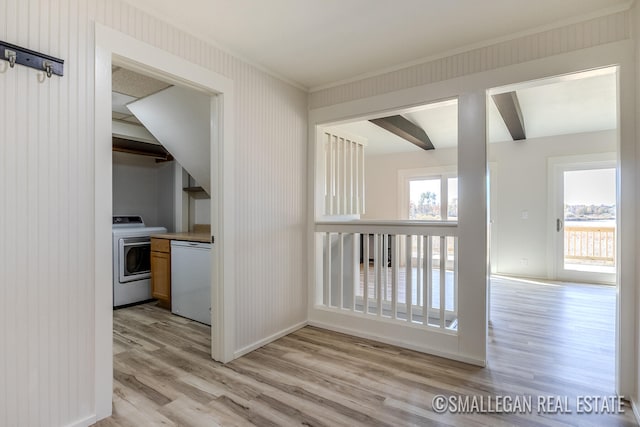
(443, 173)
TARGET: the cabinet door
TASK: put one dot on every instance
(160, 245)
(161, 276)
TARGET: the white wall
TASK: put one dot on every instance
(136, 187)
(382, 198)
(179, 118)
(201, 211)
(47, 210)
(521, 185)
(143, 187)
(166, 195)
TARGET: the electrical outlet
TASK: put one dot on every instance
(524, 261)
(525, 215)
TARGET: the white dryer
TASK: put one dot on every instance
(132, 259)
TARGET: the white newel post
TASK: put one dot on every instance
(472, 225)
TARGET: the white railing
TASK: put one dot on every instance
(343, 174)
(405, 271)
(586, 245)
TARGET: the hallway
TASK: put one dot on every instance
(545, 340)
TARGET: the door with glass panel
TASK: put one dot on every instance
(585, 222)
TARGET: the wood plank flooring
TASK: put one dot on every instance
(545, 340)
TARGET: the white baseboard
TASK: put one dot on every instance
(399, 343)
(85, 422)
(636, 410)
(248, 349)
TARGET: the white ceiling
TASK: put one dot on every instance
(321, 42)
(582, 102)
(438, 120)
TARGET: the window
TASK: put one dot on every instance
(424, 199)
(429, 194)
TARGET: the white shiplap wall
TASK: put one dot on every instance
(581, 35)
(46, 209)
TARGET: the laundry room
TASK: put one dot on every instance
(160, 189)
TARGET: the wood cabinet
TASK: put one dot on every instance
(161, 271)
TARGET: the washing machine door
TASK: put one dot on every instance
(134, 258)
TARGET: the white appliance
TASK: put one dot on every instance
(131, 259)
(191, 280)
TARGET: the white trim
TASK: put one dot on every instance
(397, 342)
(636, 410)
(139, 56)
(494, 221)
(85, 422)
(103, 255)
(434, 228)
(261, 343)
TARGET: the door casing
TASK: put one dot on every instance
(111, 47)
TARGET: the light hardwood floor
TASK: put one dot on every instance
(545, 340)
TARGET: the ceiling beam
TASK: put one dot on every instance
(405, 129)
(509, 109)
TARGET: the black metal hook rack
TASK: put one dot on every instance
(29, 58)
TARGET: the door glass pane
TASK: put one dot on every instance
(590, 220)
(424, 199)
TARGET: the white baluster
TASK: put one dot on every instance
(409, 278)
(378, 266)
(418, 270)
(327, 270)
(365, 264)
(393, 244)
(427, 279)
(443, 272)
(455, 274)
(341, 270)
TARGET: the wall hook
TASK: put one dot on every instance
(47, 68)
(29, 58)
(11, 56)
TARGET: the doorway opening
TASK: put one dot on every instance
(589, 221)
(114, 48)
(392, 177)
(552, 151)
(158, 205)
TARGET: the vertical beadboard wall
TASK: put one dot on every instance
(46, 225)
(46, 212)
(593, 32)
